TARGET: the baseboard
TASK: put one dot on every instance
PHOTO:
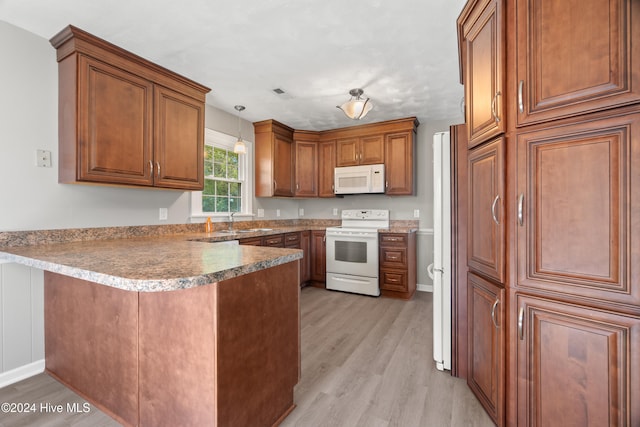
(424, 288)
(22, 372)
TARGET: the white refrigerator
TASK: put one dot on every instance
(440, 270)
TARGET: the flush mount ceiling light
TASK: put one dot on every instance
(239, 147)
(357, 107)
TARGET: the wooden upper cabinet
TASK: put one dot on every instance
(306, 163)
(576, 56)
(107, 153)
(326, 166)
(576, 366)
(486, 344)
(124, 120)
(178, 124)
(301, 163)
(274, 159)
(364, 150)
(399, 154)
(577, 191)
(486, 222)
(481, 28)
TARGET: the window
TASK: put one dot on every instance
(227, 184)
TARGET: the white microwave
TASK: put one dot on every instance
(359, 179)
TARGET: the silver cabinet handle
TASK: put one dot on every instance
(493, 107)
(493, 210)
(521, 323)
(520, 100)
(521, 209)
(158, 165)
(275, 185)
(150, 168)
(493, 313)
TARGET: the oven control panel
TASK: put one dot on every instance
(365, 214)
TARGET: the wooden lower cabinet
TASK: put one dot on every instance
(397, 258)
(486, 345)
(576, 366)
(305, 262)
(318, 256)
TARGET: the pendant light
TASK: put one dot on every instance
(239, 147)
(357, 107)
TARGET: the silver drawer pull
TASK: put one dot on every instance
(520, 100)
(493, 210)
(493, 107)
(521, 323)
(521, 209)
(493, 313)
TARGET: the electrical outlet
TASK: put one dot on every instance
(301, 211)
(335, 211)
(416, 213)
(277, 212)
(43, 158)
(163, 214)
(260, 213)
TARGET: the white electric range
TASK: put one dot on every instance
(352, 251)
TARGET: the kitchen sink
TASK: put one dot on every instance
(253, 230)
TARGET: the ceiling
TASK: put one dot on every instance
(403, 53)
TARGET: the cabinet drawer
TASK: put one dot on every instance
(252, 241)
(393, 280)
(393, 257)
(277, 241)
(292, 240)
(393, 239)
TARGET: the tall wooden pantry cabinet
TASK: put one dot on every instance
(569, 107)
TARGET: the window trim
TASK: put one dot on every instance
(245, 162)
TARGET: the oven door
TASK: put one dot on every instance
(352, 252)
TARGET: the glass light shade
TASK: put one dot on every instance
(240, 147)
(356, 108)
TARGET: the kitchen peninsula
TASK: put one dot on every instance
(170, 331)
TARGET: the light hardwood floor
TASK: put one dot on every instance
(365, 362)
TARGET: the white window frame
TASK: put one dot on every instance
(222, 140)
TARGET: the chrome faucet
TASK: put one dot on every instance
(231, 220)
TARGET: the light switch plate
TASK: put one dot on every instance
(416, 213)
(277, 212)
(301, 211)
(260, 213)
(335, 211)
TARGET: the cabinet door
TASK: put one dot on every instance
(306, 169)
(485, 245)
(486, 335)
(326, 166)
(318, 256)
(305, 262)
(115, 154)
(399, 158)
(283, 166)
(576, 56)
(576, 366)
(347, 152)
(483, 32)
(578, 193)
(179, 141)
(371, 150)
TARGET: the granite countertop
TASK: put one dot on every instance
(150, 264)
(134, 259)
